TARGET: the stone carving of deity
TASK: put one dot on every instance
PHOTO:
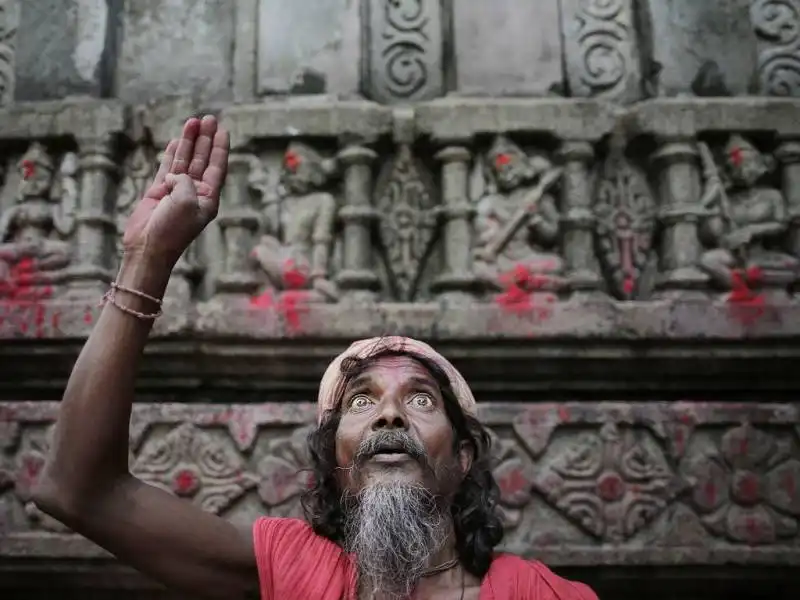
(42, 215)
(517, 221)
(298, 223)
(746, 218)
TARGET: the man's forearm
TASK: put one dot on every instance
(90, 445)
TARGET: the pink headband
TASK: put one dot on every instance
(333, 377)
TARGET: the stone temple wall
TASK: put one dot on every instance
(591, 206)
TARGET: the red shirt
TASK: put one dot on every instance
(294, 563)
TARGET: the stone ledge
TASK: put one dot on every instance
(77, 118)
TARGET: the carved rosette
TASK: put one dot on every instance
(748, 488)
(625, 212)
(406, 206)
(283, 473)
(611, 483)
(191, 463)
(777, 27)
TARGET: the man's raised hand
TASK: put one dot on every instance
(184, 195)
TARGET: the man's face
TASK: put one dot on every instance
(394, 429)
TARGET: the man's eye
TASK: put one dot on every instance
(422, 400)
(360, 401)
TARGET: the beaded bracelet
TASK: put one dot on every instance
(111, 297)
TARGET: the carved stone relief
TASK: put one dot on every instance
(608, 474)
(137, 174)
(34, 230)
(298, 224)
(405, 200)
(517, 222)
(405, 50)
(9, 20)
(777, 27)
(625, 212)
(745, 219)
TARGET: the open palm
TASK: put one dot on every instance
(184, 195)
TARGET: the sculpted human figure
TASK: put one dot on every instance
(295, 251)
(746, 216)
(403, 500)
(517, 224)
(43, 210)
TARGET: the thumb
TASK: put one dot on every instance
(181, 188)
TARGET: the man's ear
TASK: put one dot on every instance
(465, 457)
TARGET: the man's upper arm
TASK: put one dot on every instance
(173, 541)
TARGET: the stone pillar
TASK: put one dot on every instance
(456, 280)
(357, 278)
(577, 219)
(788, 154)
(96, 229)
(679, 191)
(238, 222)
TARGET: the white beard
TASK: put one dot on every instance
(394, 530)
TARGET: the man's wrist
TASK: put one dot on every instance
(144, 273)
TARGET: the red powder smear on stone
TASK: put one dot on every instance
(628, 285)
(291, 161)
(291, 304)
(746, 305)
(502, 160)
(22, 304)
(520, 286)
(28, 169)
(736, 156)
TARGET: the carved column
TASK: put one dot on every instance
(788, 154)
(578, 219)
(456, 280)
(96, 229)
(238, 222)
(679, 192)
(357, 278)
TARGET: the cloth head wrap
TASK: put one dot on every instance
(332, 380)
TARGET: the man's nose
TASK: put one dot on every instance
(390, 416)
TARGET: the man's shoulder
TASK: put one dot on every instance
(532, 575)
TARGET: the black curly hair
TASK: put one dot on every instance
(477, 525)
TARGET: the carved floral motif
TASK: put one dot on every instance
(625, 209)
(612, 483)
(190, 463)
(405, 202)
(514, 475)
(777, 25)
(747, 489)
(283, 472)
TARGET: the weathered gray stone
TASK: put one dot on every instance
(171, 47)
(688, 36)
(600, 49)
(507, 47)
(406, 51)
(63, 49)
(308, 50)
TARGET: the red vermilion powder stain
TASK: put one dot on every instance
(291, 161)
(746, 305)
(628, 285)
(502, 160)
(21, 302)
(520, 285)
(736, 156)
(293, 303)
(28, 169)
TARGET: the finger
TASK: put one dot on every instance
(185, 151)
(181, 188)
(217, 170)
(202, 147)
(166, 162)
(157, 191)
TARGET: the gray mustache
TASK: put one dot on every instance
(390, 440)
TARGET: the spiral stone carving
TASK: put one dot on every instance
(777, 25)
(405, 49)
(602, 37)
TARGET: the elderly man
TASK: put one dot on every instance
(403, 500)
